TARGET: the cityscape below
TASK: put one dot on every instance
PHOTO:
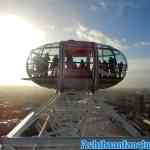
(133, 104)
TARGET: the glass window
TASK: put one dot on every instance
(100, 59)
(37, 51)
(120, 58)
(107, 52)
(99, 52)
(43, 62)
(52, 51)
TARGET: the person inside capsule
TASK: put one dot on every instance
(82, 64)
(45, 65)
(112, 67)
(54, 66)
(37, 65)
(87, 64)
(120, 69)
(100, 67)
(69, 62)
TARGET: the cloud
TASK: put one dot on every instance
(48, 27)
(98, 5)
(141, 44)
(68, 29)
(102, 4)
(118, 7)
(84, 33)
(52, 27)
(93, 8)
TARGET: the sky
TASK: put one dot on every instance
(27, 24)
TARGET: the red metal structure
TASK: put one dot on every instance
(76, 65)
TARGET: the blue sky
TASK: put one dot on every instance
(125, 20)
(124, 24)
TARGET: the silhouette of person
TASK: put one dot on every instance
(112, 66)
(54, 66)
(87, 66)
(74, 66)
(105, 68)
(100, 69)
(82, 64)
(120, 68)
(69, 62)
(45, 64)
(37, 65)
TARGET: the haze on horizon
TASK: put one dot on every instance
(26, 24)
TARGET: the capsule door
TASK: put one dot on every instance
(77, 68)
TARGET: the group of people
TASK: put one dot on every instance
(71, 65)
(110, 69)
(41, 65)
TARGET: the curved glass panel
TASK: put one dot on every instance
(112, 67)
(42, 65)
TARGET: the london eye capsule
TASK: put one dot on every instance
(76, 65)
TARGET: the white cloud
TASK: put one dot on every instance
(102, 4)
(118, 7)
(52, 27)
(93, 8)
(98, 5)
(145, 43)
(81, 32)
(49, 27)
(84, 33)
(141, 44)
(69, 29)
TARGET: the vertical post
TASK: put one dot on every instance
(96, 65)
(60, 72)
(94, 68)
